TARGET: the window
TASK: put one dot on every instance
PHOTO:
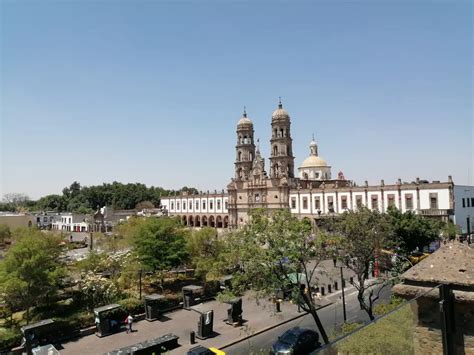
(172, 205)
(391, 200)
(434, 200)
(472, 201)
(218, 204)
(257, 197)
(293, 202)
(359, 201)
(203, 205)
(316, 175)
(330, 204)
(69, 220)
(225, 204)
(463, 203)
(467, 202)
(317, 203)
(409, 201)
(375, 203)
(38, 219)
(197, 205)
(184, 206)
(305, 203)
(45, 219)
(177, 205)
(344, 202)
(211, 205)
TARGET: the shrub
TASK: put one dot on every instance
(9, 338)
(384, 308)
(132, 305)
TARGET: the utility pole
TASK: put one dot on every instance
(343, 296)
(140, 284)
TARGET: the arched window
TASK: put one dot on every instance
(239, 156)
(281, 133)
(305, 176)
(275, 132)
(240, 140)
(251, 156)
(245, 140)
(275, 150)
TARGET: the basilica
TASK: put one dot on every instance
(313, 194)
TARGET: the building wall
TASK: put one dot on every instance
(13, 220)
(344, 199)
(464, 196)
(197, 204)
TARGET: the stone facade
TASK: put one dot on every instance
(314, 194)
(452, 264)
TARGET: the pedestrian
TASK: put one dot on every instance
(129, 321)
(334, 261)
(70, 238)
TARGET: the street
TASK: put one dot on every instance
(330, 316)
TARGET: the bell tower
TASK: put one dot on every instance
(281, 157)
(245, 148)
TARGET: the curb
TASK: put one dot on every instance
(236, 341)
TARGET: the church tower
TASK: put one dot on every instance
(245, 148)
(281, 157)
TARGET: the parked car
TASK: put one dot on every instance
(296, 341)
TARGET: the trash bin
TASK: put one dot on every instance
(108, 319)
(234, 313)
(38, 334)
(153, 306)
(191, 295)
(206, 325)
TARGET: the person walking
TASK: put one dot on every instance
(129, 321)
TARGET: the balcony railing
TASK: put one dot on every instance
(436, 212)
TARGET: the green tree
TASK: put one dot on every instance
(4, 233)
(276, 252)
(449, 230)
(51, 203)
(363, 234)
(204, 248)
(160, 243)
(411, 231)
(31, 272)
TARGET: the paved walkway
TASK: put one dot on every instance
(181, 322)
(258, 317)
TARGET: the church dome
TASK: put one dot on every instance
(280, 113)
(313, 161)
(245, 121)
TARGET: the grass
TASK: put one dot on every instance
(392, 334)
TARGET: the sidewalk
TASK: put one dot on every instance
(257, 317)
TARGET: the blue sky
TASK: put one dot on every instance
(151, 91)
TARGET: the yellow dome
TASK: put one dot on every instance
(313, 161)
(280, 114)
(245, 121)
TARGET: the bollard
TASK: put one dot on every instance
(335, 285)
(351, 280)
(329, 289)
(278, 307)
(343, 283)
(192, 337)
(322, 290)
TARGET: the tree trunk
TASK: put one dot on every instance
(314, 313)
